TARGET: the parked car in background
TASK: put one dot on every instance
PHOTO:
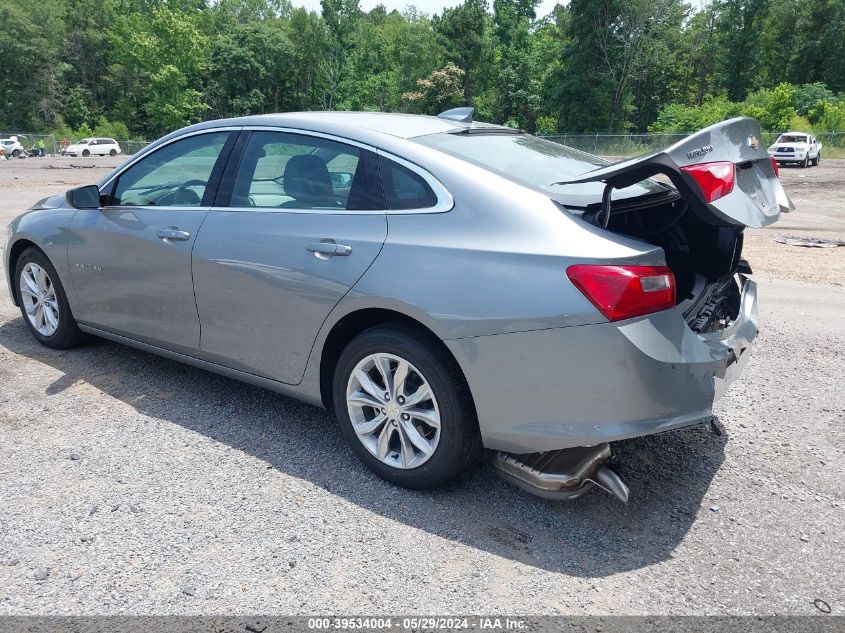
(11, 146)
(442, 285)
(93, 147)
(796, 147)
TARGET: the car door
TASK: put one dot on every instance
(298, 221)
(130, 260)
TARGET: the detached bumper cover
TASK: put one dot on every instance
(580, 386)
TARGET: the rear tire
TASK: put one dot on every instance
(414, 453)
(43, 302)
(817, 159)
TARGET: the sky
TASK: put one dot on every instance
(426, 6)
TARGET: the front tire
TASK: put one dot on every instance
(404, 407)
(86, 153)
(806, 162)
(113, 153)
(43, 302)
(817, 159)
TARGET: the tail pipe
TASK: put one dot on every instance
(563, 474)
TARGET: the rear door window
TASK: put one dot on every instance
(282, 170)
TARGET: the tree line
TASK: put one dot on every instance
(137, 68)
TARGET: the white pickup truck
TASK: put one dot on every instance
(796, 147)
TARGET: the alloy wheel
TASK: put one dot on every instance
(393, 410)
(39, 299)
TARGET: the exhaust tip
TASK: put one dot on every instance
(609, 481)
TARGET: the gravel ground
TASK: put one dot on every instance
(132, 484)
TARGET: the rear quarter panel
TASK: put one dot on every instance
(496, 262)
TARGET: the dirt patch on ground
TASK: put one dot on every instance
(26, 181)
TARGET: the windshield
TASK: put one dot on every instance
(535, 162)
(792, 138)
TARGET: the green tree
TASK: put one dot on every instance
(77, 108)
(308, 34)
(248, 12)
(31, 70)
(517, 84)
(174, 104)
(249, 71)
(738, 28)
(166, 53)
(441, 90)
(464, 32)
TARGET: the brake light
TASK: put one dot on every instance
(775, 167)
(622, 292)
(714, 179)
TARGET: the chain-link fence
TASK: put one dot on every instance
(132, 147)
(636, 144)
(26, 144)
(17, 144)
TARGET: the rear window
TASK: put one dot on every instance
(534, 161)
(403, 188)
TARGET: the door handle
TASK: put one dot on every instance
(329, 249)
(172, 233)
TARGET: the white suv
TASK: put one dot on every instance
(93, 146)
(11, 146)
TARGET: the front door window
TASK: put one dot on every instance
(176, 175)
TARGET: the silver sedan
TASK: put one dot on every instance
(444, 286)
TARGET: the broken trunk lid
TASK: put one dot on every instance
(757, 198)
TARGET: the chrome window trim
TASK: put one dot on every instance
(128, 207)
(299, 211)
(445, 201)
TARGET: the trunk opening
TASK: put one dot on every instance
(704, 257)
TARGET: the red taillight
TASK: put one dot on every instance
(622, 292)
(714, 179)
(775, 167)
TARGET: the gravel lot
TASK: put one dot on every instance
(132, 484)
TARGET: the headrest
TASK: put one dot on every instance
(307, 178)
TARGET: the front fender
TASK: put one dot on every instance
(46, 229)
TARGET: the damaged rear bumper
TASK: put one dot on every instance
(559, 388)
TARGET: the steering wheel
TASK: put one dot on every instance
(184, 195)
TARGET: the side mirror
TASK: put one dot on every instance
(87, 197)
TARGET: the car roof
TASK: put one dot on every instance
(353, 125)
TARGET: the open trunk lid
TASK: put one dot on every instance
(757, 198)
